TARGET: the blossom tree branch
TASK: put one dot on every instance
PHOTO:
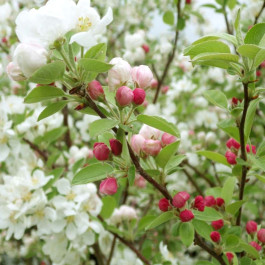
(37, 149)
(259, 14)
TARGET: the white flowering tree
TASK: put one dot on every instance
(127, 142)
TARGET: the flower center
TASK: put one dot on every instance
(84, 24)
(70, 196)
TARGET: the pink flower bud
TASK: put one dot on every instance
(199, 203)
(152, 147)
(215, 236)
(261, 235)
(230, 157)
(184, 194)
(234, 101)
(146, 48)
(178, 201)
(116, 146)
(253, 147)
(186, 216)
(138, 96)
(149, 132)
(251, 227)
(220, 201)
(101, 151)
(154, 83)
(163, 205)
(168, 139)
(95, 90)
(164, 89)
(229, 256)
(137, 142)
(108, 186)
(142, 75)
(218, 224)
(188, 2)
(124, 96)
(119, 74)
(232, 143)
(209, 201)
(262, 65)
(255, 245)
(139, 181)
(15, 72)
(258, 73)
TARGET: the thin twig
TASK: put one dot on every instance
(98, 254)
(170, 57)
(67, 136)
(111, 250)
(228, 28)
(259, 14)
(36, 149)
(243, 149)
(216, 174)
(194, 183)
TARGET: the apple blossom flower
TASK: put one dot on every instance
(142, 76)
(168, 139)
(15, 72)
(149, 132)
(230, 257)
(220, 201)
(139, 181)
(95, 90)
(209, 201)
(137, 142)
(253, 149)
(233, 143)
(179, 201)
(124, 96)
(146, 48)
(152, 147)
(108, 186)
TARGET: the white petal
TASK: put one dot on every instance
(63, 186)
(89, 238)
(106, 20)
(71, 231)
(85, 39)
(4, 152)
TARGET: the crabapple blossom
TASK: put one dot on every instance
(108, 186)
(168, 139)
(95, 90)
(151, 147)
(209, 201)
(186, 216)
(251, 227)
(232, 143)
(137, 142)
(142, 76)
(199, 203)
(101, 151)
(229, 256)
(15, 72)
(215, 236)
(138, 96)
(261, 235)
(218, 224)
(124, 96)
(116, 146)
(220, 201)
(230, 157)
(255, 245)
(163, 204)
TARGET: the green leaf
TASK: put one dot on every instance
(52, 108)
(99, 126)
(92, 173)
(204, 262)
(217, 98)
(109, 204)
(217, 36)
(202, 228)
(234, 207)
(248, 50)
(208, 215)
(260, 57)
(89, 111)
(246, 261)
(259, 162)
(164, 217)
(125, 151)
(228, 126)
(79, 163)
(250, 250)
(186, 232)
(173, 162)
(231, 241)
(97, 52)
(228, 57)
(159, 123)
(145, 221)
(168, 17)
(57, 173)
(131, 175)
(166, 153)
(48, 73)
(250, 117)
(92, 65)
(214, 157)
(53, 135)
(228, 189)
(213, 46)
(41, 93)
(256, 35)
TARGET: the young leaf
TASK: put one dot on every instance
(248, 50)
(131, 175)
(228, 189)
(186, 232)
(166, 153)
(97, 52)
(164, 217)
(227, 57)
(53, 135)
(41, 93)
(109, 204)
(217, 36)
(173, 162)
(250, 117)
(214, 157)
(92, 65)
(52, 108)
(146, 220)
(217, 98)
(208, 215)
(234, 207)
(202, 228)
(256, 35)
(92, 173)
(99, 126)
(228, 126)
(48, 73)
(159, 123)
(168, 17)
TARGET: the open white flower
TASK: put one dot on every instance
(89, 25)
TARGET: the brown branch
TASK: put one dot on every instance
(194, 183)
(259, 14)
(215, 174)
(170, 57)
(98, 254)
(243, 149)
(37, 149)
(67, 136)
(229, 30)
(198, 241)
(112, 250)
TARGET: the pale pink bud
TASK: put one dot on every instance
(163, 205)
(142, 75)
(218, 224)
(251, 227)
(116, 146)
(139, 181)
(119, 74)
(137, 142)
(199, 203)
(95, 90)
(15, 72)
(124, 96)
(230, 157)
(101, 151)
(168, 139)
(152, 147)
(261, 235)
(253, 147)
(255, 245)
(164, 89)
(215, 236)
(186, 216)
(138, 96)
(209, 201)
(232, 143)
(149, 132)
(108, 186)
